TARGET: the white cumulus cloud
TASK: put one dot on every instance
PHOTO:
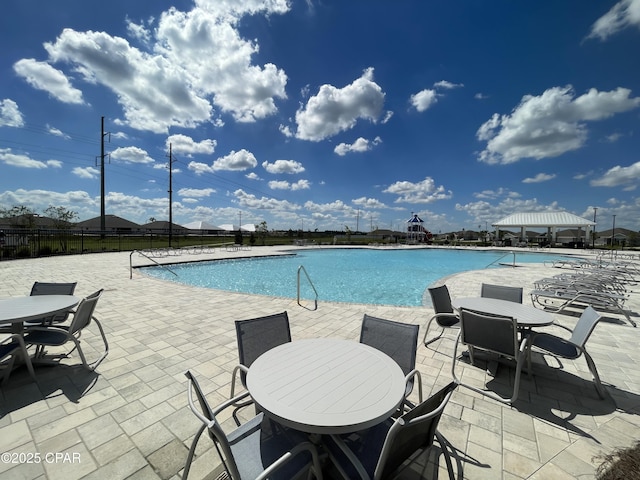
(424, 191)
(624, 14)
(334, 110)
(360, 145)
(10, 115)
(283, 166)
(550, 124)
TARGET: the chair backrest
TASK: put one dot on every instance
(501, 292)
(441, 299)
(45, 288)
(258, 335)
(413, 431)
(84, 312)
(48, 288)
(585, 326)
(398, 340)
(492, 333)
(216, 433)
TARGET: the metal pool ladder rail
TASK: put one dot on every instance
(302, 269)
(148, 257)
(505, 264)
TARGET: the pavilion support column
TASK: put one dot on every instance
(523, 235)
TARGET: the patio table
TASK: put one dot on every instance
(17, 310)
(324, 386)
(526, 316)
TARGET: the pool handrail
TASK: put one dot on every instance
(149, 258)
(301, 268)
(497, 260)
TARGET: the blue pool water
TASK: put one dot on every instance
(381, 277)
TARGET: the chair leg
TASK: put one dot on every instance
(594, 373)
(427, 342)
(192, 452)
(447, 458)
(8, 367)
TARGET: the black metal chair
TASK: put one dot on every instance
(444, 315)
(255, 336)
(493, 334)
(573, 347)
(59, 335)
(380, 452)
(257, 449)
(400, 342)
(501, 292)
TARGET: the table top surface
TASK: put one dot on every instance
(525, 315)
(326, 385)
(23, 309)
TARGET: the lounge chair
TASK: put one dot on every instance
(381, 451)
(573, 347)
(493, 334)
(258, 449)
(559, 299)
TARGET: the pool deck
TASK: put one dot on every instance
(130, 418)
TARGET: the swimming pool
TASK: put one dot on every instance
(370, 276)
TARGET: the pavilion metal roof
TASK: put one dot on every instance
(543, 219)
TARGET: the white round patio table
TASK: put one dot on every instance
(23, 309)
(326, 385)
(526, 316)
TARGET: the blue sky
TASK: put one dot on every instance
(323, 114)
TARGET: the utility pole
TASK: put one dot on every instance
(593, 242)
(170, 195)
(102, 192)
(613, 233)
(357, 221)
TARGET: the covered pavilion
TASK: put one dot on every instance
(549, 220)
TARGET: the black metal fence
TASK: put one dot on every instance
(27, 243)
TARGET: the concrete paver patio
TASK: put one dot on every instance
(130, 418)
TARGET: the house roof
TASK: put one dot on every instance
(201, 225)
(111, 221)
(543, 219)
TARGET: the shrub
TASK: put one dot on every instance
(621, 464)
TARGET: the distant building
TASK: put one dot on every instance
(112, 223)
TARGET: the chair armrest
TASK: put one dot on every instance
(236, 370)
(297, 450)
(418, 378)
(229, 403)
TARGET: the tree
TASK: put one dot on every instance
(61, 216)
(21, 216)
(262, 231)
